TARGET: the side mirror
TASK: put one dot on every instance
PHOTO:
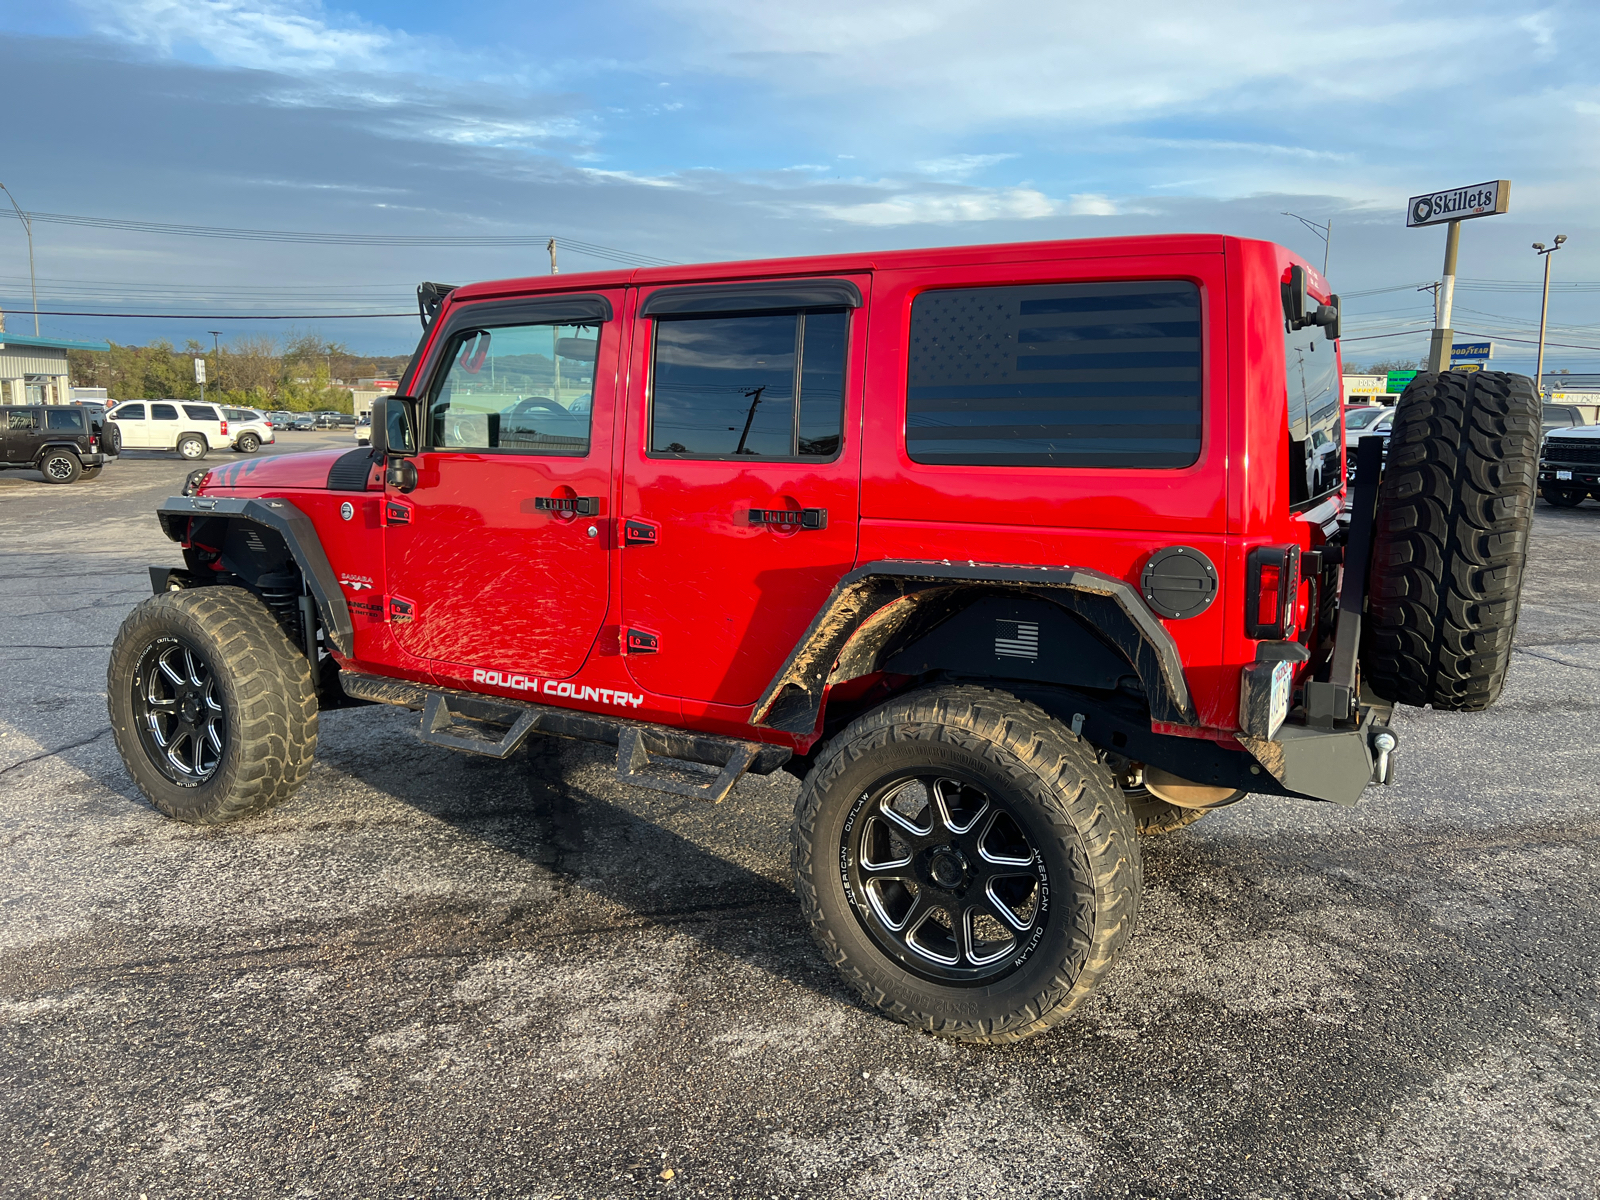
(1329, 317)
(394, 425)
(1296, 298)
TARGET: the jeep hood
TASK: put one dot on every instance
(306, 470)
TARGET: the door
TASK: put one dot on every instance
(499, 558)
(740, 478)
(132, 424)
(21, 435)
(162, 430)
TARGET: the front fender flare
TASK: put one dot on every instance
(874, 601)
(299, 534)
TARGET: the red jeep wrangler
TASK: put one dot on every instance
(1008, 552)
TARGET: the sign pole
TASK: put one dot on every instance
(1439, 350)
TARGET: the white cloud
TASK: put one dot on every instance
(1091, 204)
(1001, 204)
(960, 166)
(274, 35)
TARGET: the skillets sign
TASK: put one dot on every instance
(1459, 204)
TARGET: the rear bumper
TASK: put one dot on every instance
(1333, 764)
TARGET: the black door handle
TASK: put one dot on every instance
(582, 506)
(790, 518)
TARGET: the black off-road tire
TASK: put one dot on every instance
(1564, 497)
(1078, 824)
(60, 466)
(264, 686)
(91, 472)
(110, 438)
(1451, 541)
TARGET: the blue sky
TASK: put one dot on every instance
(713, 129)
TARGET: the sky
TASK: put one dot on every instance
(702, 130)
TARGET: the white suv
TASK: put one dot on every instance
(189, 428)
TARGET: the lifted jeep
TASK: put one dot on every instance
(1010, 553)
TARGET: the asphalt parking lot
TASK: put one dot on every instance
(435, 975)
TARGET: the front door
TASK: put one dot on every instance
(740, 479)
(132, 423)
(499, 557)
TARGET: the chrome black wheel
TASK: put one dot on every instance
(178, 711)
(944, 878)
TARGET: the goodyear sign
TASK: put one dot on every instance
(1471, 352)
(1459, 204)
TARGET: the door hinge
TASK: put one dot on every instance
(396, 512)
(638, 641)
(639, 533)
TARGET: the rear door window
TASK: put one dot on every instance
(163, 412)
(760, 385)
(1056, 375)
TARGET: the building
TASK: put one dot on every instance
(33, 370)
(368, 390)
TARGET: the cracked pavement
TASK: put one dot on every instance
(436, 975)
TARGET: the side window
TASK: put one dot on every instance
(767, 385)
(1315, 402)
(163, 412)
(20, 419)
(67, 419)
(516, 389)
(128, 412)
(238, 414)
(200, 412)
(1056, 375)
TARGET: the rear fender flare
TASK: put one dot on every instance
(883, 606)
(299, 534)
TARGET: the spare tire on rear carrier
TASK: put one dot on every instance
(1451, 540)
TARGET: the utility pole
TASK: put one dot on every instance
(554, 270)
(27, 227)
(216, 349)
(1544, 305)
(1325, 232)
(1439, 347)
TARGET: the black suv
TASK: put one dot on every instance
(58, 440)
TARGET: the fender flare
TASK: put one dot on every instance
(872, 603)
(77, 451)
(299, 534)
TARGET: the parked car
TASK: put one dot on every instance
(249, 429)
(363, 430)
(54, 439)
(1361, 421)
(1562, 416)
(303, 423)
(1569, 465)
(885, 521)
(190, 428)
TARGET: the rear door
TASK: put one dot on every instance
(740, 477)
(499, 558)
(162, 431)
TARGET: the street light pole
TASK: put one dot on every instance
(27, 227)
(1544, 305)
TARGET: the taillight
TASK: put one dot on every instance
(1272, 580)
(224, 428)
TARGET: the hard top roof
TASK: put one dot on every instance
(836, 264)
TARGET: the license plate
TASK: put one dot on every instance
(1282, 680)
(1563, 474)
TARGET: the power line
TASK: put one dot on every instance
(591, 249)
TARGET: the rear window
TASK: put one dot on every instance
(1056, 375)
(1315, 402)
(200, 412)
(67, 419)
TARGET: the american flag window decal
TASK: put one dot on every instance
(1016, 639)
